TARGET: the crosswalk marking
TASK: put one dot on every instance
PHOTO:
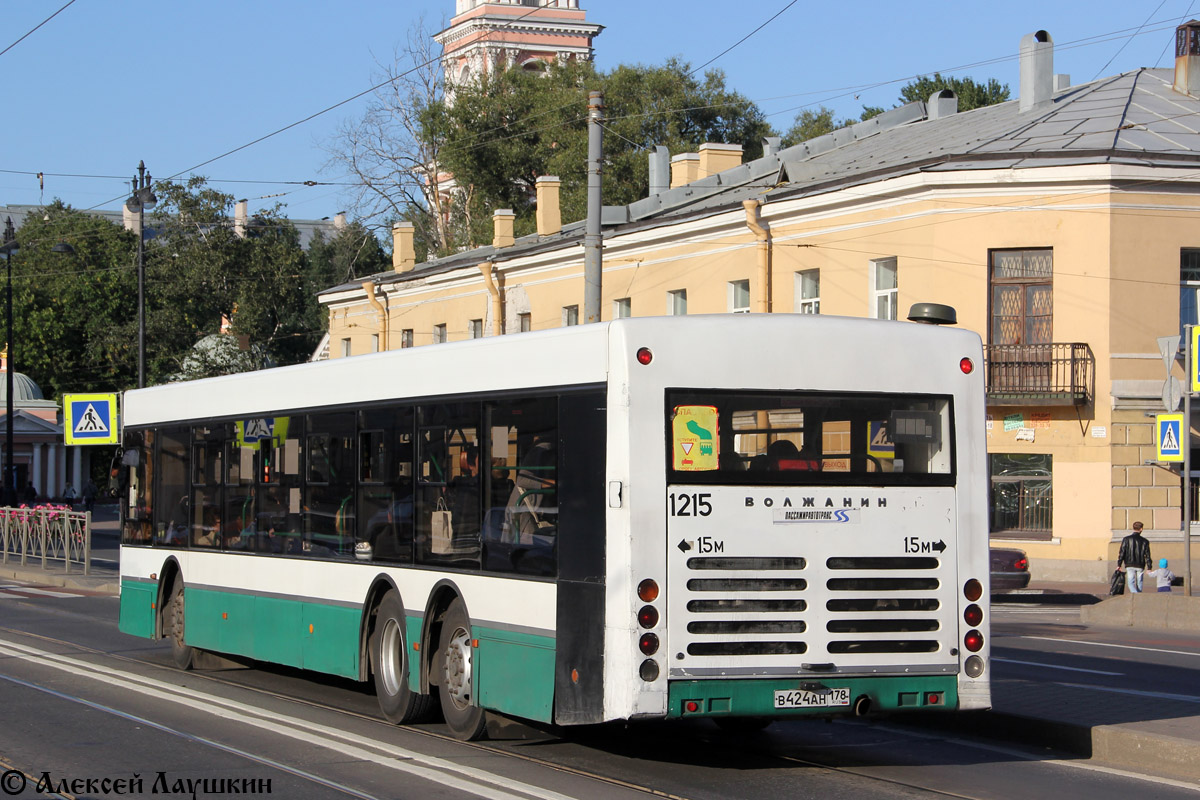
(13, 591)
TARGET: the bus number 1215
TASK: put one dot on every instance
(690, 505)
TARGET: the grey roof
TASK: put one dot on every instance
(1136, 117)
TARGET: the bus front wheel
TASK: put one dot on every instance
(465, 719)
(181, 653)
(389, 666)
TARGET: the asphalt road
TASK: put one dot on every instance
(83, 701)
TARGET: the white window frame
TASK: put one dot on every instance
(346, 347)
(677, 303)
(622, 308)
(732, 291)
(812, 304)
(406, 337)
(439, 333)
(887, 297)
(570, 316)
(476, 328)
(525, 322)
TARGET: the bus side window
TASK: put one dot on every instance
(447, 511)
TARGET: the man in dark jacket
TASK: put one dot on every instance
(1134, 556)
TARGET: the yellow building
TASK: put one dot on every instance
(1064, 227)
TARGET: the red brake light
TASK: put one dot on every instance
(973, 615)
(648, 617)
(966, 365)
(648, 644)
(1021, 563)
(644, 356)
(973, 641)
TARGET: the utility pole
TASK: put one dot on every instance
(593, 242)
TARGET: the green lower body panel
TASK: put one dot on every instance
(137, 608)
(514, 673)
(755, 697)
(297, 633)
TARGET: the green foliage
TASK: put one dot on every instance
(498, 136)
(970, 94)
(810, 124)
(352, 253)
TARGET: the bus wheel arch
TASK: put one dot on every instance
(441, 596)
(380, 587)
(167, 576)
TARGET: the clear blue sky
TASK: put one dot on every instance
(102, 85)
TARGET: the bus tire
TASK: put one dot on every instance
(390, 664)
(173, 626)
(464, 717)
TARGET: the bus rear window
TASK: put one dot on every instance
(808, 437)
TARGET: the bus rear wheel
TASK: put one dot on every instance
(390, 664)
(465, 719)
(181, 653)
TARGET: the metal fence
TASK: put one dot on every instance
(53, 536)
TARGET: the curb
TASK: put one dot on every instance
(1122, 746)
(106, 583)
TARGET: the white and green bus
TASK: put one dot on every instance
(742, 517)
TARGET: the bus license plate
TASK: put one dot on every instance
(802, 698)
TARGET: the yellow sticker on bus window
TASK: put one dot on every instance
(694, 442)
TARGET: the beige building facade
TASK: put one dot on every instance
(1061, 226)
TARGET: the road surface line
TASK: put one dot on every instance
(1187, 698)
(1106, 644)
(425, 766)
(1055, 666)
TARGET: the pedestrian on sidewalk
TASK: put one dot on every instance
(1162, 576)
(1134, 557)
(69, 494)
(89, 495)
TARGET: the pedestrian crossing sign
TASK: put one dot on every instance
(1169, 436)
(90, 418)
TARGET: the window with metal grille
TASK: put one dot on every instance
(1022, 502)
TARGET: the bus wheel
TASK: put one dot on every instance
(464, 718)
(181, 653)
(389, 666)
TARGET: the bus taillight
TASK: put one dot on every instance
(966, 365)
(648, 617)
(648, 644)
(648, 590)
(973, 590)
(973, 641)
(973, 615)
(644, 356)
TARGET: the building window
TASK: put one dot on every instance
(345, 347)
(570, 316)
(374, 342)
(439, 333)
(884, 289)
(807, 295)
(677, 302)
(739, 297)
(1022, 502)
(1021, 296)
(622, 308)
(1189, 287)
(406, 337)
(526, 322)
(476, 328)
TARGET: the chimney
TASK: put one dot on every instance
(684, 169)
(772, 145)
(240, 215)
(660, 170)
(1187, 58)
(404, 253)
(339, 221)
(941, 104)
(1061, 81)
(716, 158)
(549, 215)
(1037, 71)
(502, 223)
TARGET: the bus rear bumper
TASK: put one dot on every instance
(824, 696)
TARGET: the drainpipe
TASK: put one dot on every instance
(762, 303)
(369, 289)
(486, 268)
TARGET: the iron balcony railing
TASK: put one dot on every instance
(1062, 373)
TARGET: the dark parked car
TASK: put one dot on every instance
(1010, 569)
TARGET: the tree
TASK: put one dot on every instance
(810, 124)
(351, 253)
(502, 133)
(970, 94)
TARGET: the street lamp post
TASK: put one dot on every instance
(8, 247)
(140, 201)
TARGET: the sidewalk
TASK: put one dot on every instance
(1125, 731)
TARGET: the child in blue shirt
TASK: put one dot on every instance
(1163, 575)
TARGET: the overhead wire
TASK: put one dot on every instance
(28, 33)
